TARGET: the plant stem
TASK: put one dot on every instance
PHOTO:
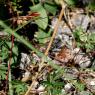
(55, 31)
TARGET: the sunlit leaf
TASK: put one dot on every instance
(42, 21)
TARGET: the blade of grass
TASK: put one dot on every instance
(12, 32)
(10, 84)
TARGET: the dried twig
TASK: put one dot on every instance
(8, 79)
(55, 31)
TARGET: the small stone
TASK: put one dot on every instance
(85, 22)
(82, 60)
(25, 58)
(92, 83)
(76, 20)
(70, 74)
(25, 61)
(76, 50)
(26, 76)
(41, 88)
(68, 87)
(67, 30)
(80, 20)
(86, 62)
(53, 22)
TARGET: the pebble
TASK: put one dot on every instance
(70, 73)
(26, 76)
(76, 50)
(68, 87)
(25, 61)
(80, 20)
(41, 88)
(90, 84)
(82, 60)
(85, 22)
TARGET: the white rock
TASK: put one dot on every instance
(92, 83)
(26, 76)
(85, 22)
(80, 20)
(25, 60)
(82, 60)
(85, 63)
(21, 66)
(41, 88)
(68, 87)
(76, 50)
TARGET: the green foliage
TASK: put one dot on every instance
(50, 7)
(42, 21)
(42, 36)
(79, 86)
(84, 40)
(71, 2)
(53, 83)
(3, 72)
(5, 48)
(91, 6)
(19, 87)
(10, 82)
(4, 53)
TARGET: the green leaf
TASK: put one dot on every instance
(91, 6)
(42, 21)
(91, 37)
(42, 36)
(85, 93)
(2, 72)
(19, 87)
(50, 8)
(4, 53)
(71, 2)
(89, 46)
(80, 86)
(83, 38)
(14, 49)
